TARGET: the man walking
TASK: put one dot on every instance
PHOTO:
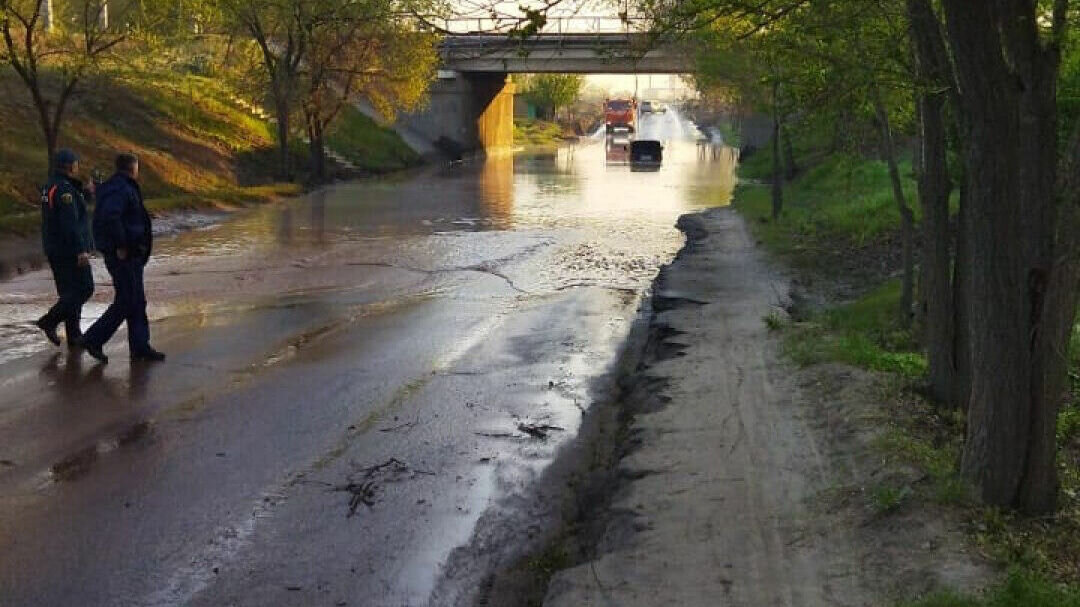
(123, 235)
(65, 236)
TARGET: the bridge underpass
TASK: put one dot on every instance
(471, 103)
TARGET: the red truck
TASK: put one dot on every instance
(620, 113)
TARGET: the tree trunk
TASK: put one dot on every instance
(777, 171)
(1058, 317)
(907, 218)
(1008, 113)
(936, 290)
(791, 170)
(317, 148)
(48, 133)
(934, 189)
(961, 338)
(1053, 340)
(51, 145)
(282, 110)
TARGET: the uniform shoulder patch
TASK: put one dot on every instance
(66, 198)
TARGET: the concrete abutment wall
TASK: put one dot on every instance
(473, 112)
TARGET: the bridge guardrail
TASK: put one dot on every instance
(572, 25)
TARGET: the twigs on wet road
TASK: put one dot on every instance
(365, 483)
(405, 426)
(540, 431)
(537, 431)
(360, 493)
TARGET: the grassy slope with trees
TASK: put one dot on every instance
(550, 93)
(165, 81)
(983, 402)
(840, 229)
(199, 147)
(839, 218)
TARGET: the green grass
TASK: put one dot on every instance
(536, 133)
(865, 333)
(225, 197)
(886, 499)
(1020, 589)
(371, 147)
(843, 198)
(840, 218)
(203, 105)
(198, 146)
(21, 224)
(730, 134)
(773, 321)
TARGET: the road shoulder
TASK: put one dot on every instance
(744, 480)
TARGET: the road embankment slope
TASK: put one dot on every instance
(744, 477)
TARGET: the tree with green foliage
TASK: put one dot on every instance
(986, 76)
(320, 55)
(368, 52)
(830, 62)
(282, 31)
(554, 91)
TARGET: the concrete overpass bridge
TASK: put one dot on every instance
(472, 100)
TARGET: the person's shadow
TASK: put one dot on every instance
(71, 378)
(139, 379)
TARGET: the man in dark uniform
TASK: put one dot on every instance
(123, 235)
(65, 235)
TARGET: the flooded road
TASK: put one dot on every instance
(354, 379)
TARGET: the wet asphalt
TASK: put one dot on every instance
(354, 379)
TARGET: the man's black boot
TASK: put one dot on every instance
(149, 354)
(50, 332)
(95, 352)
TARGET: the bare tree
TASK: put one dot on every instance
(53, 60)
(367, 51)
(277, 27)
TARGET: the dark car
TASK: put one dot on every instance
(646, 154)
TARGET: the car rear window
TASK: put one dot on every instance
(618, 105)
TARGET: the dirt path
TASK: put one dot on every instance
(744, 479)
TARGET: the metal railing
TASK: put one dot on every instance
(570, 25)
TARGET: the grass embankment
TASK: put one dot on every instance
(839, 207)
(840, 225)
(200, 148)
(536, 133)
(371, 147)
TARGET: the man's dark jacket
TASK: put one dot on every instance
(65, 231)
(121, 220)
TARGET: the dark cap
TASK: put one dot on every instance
(66, 158)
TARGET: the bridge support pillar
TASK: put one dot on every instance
(494, 93)
(470, 112)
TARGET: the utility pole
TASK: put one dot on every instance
(45, 8)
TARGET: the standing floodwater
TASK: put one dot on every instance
(355, 379)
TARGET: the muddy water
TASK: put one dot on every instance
(356, 379)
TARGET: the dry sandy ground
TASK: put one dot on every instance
(746, 480)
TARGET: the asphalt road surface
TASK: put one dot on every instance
(354, 379)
